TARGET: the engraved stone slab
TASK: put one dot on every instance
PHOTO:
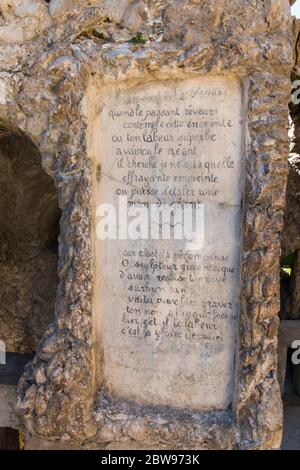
(168, 314)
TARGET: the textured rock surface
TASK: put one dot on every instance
(8, 401)
(47, 69)
(22, 21)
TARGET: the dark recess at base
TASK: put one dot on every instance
(9, 439)
(11, 372)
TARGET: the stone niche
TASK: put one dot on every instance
(153, 344)
(29, 231)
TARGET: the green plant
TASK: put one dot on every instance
(287, 263)
(138, 38)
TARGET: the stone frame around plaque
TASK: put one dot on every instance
(68, 405)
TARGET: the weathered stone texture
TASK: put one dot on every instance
(48, 68)
(8, 400)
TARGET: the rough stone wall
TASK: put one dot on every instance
(47, 67)
(29, 216)
(291, 233)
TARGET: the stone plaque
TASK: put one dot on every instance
(168, 308)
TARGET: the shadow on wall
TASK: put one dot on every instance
(29, 229)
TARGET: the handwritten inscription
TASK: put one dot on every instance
(168, 315)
